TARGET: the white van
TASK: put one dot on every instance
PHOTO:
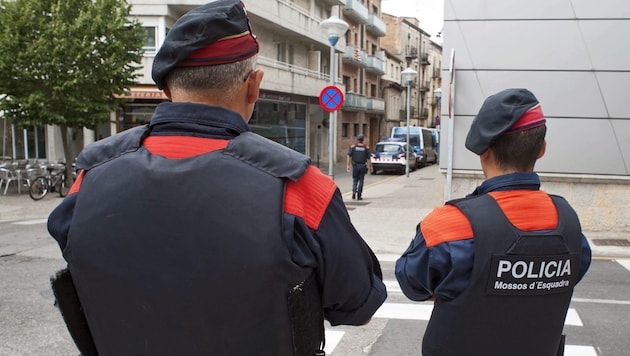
(420, 140)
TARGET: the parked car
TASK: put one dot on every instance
(422, 142)
(391, 156)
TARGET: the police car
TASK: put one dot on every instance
(391, 156)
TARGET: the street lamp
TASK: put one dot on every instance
(335, 28)
(408, 76)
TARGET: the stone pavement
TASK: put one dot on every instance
(387, 217)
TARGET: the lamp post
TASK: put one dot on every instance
(335, 28)
(407, 76)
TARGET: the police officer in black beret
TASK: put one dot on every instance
(194, 236)
(502, 263)
(358, 159)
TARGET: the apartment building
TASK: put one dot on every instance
(407, 40)
(363, 64)
(294, 54)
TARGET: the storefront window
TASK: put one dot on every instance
(135, 115)
(282, 122)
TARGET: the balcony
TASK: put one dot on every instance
(334, 2)
(376, 105)
(284, 77)
(424, 114)
(411, 52)
(355, 56)
(403, 113)
(376, 63)
(425, 85)
(356, 11)
(354, 102)
(284, 15)
(376, 26)
(425, 59)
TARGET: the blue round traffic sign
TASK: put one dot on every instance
(331, 98)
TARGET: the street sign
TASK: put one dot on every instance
(331, 98)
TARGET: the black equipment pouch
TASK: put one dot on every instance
(307, 318)
(67, 300)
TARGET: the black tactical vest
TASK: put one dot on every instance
(359, 154)
(520, 287)
(187, 256)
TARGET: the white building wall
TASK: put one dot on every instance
(574, 56)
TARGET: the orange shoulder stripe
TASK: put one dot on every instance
(177, 147)
(309, 196)
(77, 183)
(528, 210)
(444, 224)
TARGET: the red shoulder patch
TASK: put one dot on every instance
(528, 210)
(309, 197)
(444, 224)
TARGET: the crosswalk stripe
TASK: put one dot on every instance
(31, 222)
(577, 350)
(392, 286)
(406, 311)
(625, 263)
(332, 339)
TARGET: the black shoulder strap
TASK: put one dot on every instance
(112, 147)
(269, 156)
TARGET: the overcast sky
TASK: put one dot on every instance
(430, 13)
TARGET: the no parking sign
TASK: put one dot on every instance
(331, 98)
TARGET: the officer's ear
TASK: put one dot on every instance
(253, 85)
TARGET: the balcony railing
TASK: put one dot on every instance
(375, 64)
(354, 102)
(376, 105)
(283, 77)
(376, 26)
(411, 51)
(355, 56)
(356, 11)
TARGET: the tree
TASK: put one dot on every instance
(63, 61)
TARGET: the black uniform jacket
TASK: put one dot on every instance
(187, 236)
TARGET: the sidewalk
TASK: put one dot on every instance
(393, 205)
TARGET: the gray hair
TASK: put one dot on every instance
(221, 78)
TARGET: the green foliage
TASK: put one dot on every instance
(62, 61)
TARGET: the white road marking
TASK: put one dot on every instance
(625, 263)
(404, 311)
(31, 222)
(573, 318)
(576, 350)
(392, 286)
(332, 339)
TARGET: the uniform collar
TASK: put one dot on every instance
(512, 181)
(213, 120)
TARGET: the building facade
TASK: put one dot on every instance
(569, 54)
(362, 65)
(408, 42)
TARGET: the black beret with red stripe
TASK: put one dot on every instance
(509, 111)
(214, 33)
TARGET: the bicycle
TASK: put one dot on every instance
(54, 180)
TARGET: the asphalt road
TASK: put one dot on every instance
(598, 322)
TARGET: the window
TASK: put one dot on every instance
(344, 129)
(150, 41)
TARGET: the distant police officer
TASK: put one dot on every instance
(194, 236)
(502, 263)
(359, 158)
